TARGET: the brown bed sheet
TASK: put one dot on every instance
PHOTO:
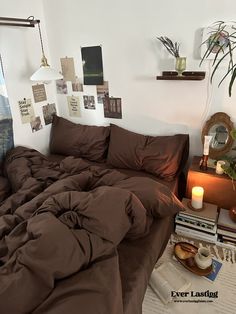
(137, 260)
(138, 257)
(172, 185)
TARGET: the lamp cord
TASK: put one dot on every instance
(41, 40)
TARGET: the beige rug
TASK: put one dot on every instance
(225, 284)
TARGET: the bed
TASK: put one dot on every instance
(82, 228)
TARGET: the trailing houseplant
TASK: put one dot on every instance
(221, 43)
(230, 165)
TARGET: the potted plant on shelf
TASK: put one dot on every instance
(220, 44)
(173, 49)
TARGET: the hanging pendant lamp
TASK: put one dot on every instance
(45, 73)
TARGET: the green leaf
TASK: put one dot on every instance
(232, 81)
(233, 134)
(216, 66)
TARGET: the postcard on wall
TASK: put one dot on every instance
(39, 93)
(26, 110)
(77, 86)
(68, 69)
(74, 106)
(36, 124)
(61, 87)
(89, 102)
(112, 108)
(92, 65)
(48, 112)
(102, 91)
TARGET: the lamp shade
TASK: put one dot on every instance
(46, 73)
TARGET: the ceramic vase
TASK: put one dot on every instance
(203, 258)
(180, 65)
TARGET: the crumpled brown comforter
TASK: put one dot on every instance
(59, 231)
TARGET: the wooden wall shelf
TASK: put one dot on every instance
(186, 76)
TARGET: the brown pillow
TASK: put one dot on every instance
(125, 148)
(85, 141)
(163, 156)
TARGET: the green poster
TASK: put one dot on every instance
(92, 65)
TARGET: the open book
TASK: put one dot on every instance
(165, 279)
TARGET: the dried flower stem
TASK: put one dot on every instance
(172, 48)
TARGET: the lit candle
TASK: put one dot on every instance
(197, 197)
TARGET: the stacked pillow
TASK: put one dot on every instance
(85, 141)
(163, 156)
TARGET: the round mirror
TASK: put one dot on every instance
(219, 127)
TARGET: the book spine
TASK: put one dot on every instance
(193, 236)
(196, 232)
(227, 233)
(186, 215)
(192, 233)
(226, 228)
(195, 219)
(196, 224)
(226, 238)
(196, 228)
(193, 229)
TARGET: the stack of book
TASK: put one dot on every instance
(200, 225)
(226, 228)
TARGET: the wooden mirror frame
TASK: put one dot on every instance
(219, 118)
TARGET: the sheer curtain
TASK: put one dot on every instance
(6, 129)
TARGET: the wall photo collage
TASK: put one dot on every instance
(92, 75)
(27, 112)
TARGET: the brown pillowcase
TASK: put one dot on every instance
(163, 156)
(125, 148)
(85, 141)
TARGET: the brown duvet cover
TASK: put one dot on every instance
(64, 234)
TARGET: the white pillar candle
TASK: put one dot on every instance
(197, 197)
(219, 169)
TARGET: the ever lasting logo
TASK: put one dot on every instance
(194, 296)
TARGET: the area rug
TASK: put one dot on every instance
(224, 286)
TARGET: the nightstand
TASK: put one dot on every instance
(218, 189)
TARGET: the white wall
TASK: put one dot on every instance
(132, 57)
(21, 54)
